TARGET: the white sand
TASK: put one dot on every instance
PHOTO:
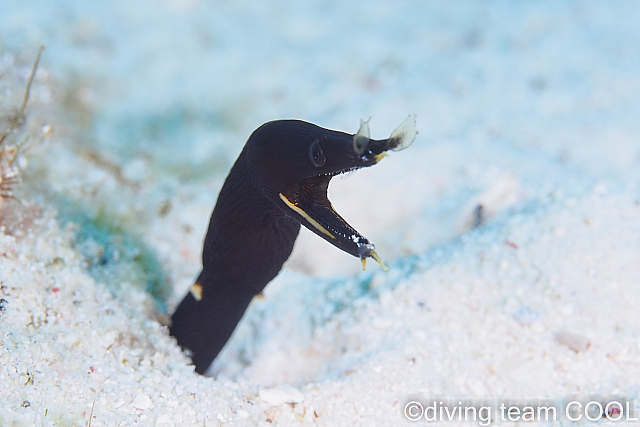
(530, 110)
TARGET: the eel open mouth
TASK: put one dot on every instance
(309, 197)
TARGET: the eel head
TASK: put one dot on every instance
(293, 161)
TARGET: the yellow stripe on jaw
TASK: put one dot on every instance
(196, 291)
(310, 220)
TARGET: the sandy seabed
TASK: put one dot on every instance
(529, 110)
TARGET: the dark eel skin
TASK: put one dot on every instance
(278, 182)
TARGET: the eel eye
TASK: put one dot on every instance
(316, 154)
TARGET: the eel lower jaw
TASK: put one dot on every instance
(311, 206)
(367, 250)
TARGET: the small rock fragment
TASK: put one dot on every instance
(142, 402)
(575, 342)
(164, 420)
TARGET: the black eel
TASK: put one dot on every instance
(278, 182)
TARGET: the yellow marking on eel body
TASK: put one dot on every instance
(376, 258)
(196, 291)
(303, 214)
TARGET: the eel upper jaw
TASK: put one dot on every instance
(310, 204)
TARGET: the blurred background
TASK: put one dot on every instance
(151, 101)
(511, 220)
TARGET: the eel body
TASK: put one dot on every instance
(278, 182)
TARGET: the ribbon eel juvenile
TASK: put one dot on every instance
(278, 182)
